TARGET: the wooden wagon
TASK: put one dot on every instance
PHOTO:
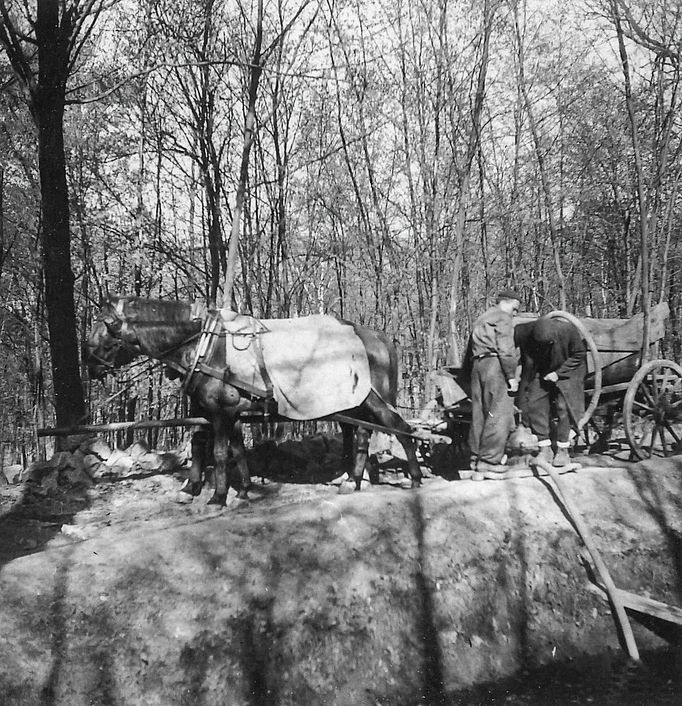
(645, 398)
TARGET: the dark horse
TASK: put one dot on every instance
(173, 332)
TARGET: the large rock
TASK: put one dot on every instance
(98, 447)
(137, 449)
(13, 473)
(120, 463)
(95, 467)
(75, 476)
(39, 470)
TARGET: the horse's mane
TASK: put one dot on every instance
(139, 309)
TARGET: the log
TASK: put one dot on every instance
(148, 424)
(586, 536)
(117, 426)
(647, 606)
(419, 435)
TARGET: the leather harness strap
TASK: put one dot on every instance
(229, 379)
(254, 333)
(258, 347)
(204, 349)
(209, 335)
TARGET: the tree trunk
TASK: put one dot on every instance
(544, 172)
(249, 130)
(48, 112)
(455, 354)
(641, 194)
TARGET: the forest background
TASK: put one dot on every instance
(392, 163)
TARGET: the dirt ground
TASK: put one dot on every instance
(115, 593)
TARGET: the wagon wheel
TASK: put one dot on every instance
(652, 410)
(596, 363)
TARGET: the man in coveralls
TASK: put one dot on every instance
(491, 356)
(553, 358)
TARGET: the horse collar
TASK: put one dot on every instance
(204, 349)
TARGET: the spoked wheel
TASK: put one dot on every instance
(652, 410)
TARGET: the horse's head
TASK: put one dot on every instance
(109, 345)
(131, 326)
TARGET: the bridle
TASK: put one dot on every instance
(108, 364)
(114, 323)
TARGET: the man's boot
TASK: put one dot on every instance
(468, 473)
(545, 453)
(561, 458)
(484, 470)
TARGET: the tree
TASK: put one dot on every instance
(43, 50)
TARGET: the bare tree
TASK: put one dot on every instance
(258, 59)
(473, 145)
(43, 51)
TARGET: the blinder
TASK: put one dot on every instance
(113, 324)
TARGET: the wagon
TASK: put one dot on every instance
(645, 398)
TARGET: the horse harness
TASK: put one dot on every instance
(211, 331)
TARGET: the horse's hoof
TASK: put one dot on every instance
(416, 483)
(218, 499)
(346, 487)
(339, 480)
(181, 498)
(242, 495)
(192, 488)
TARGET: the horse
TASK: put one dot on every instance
(210, 360)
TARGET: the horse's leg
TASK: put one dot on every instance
(200, 443)
(192, 486)
(347, 460)
(384, 415)
(239, 460)
(410, 445)
(362, 437)
(222, 431)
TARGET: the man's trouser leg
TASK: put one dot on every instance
(563, 430)
(477, 413)
(536, 412)
(536, 415)
(497, 411)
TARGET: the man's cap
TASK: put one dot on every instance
(508, 294)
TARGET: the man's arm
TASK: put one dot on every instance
(506, 349)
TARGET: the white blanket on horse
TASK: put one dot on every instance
(317, 364)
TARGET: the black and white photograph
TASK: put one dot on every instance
(340, 352)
